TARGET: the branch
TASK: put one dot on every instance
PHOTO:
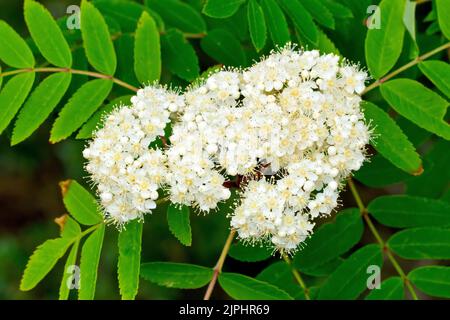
(377, 236)
(219, 265)
(405, 67)
(74, 71)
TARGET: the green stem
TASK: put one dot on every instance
(88, 230)
(74, 71)
(405, 67)
(380, 240)
(297, 277)
(219, 265)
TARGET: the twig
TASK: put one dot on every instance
(74, 71)
(380, 240)
(219, 265)
(297, 277)
(405, 67)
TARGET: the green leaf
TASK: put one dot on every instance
(236, 24)
(301, 18)
(179, 15)
(256, 24)
(390, 289)
(437, 72)
(179, 56)
(383, 46)
(280, 275)
(276, 23)
(418, 104)
(179, 224)
(39, 105)
(432, 28)
(436, 175)
(338, 10)
(249, 253)
(421, 243)
(431, 16)
(380, 172)
(324, 269)
(64, 289)
(126, 13)
(443, 15)
(409, 18)
(320, 13)
(220, 8)
(415, 134)
(401, 211)
(176, 275)
(224, 47)
(47, 35)
(241, 287)
(80, 63)
(124, 46)
(129, 259)
(90, 257)
(79, 108)
(349, 280)
(433, 280)
(147, 50)
(446, 196)
(391, 142)
(13, 95)
(14, 51)
(113, 27)
(42, 261)
(325, 45)
(1, 78)
(70, 228)
(331, 240)
(97, 40)
(95, 122)
(80, 203)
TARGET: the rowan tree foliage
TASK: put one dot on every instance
(77, 70)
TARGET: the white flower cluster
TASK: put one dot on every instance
(295, 115)
(127, 173)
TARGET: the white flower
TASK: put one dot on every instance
(127, 173)
(294, 115)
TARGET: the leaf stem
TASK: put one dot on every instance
(405, 67)
(74, 71)
(89, 230)
(219, 265)
(380, 240)
(297, 277)
(194, 35)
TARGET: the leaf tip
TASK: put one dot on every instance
(64, 185)
(14, 141)
(22, 287)
(419, 171)
(61, 220)
(54, 139)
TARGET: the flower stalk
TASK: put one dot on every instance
(219, 265)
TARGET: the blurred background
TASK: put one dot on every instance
(30, 200)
